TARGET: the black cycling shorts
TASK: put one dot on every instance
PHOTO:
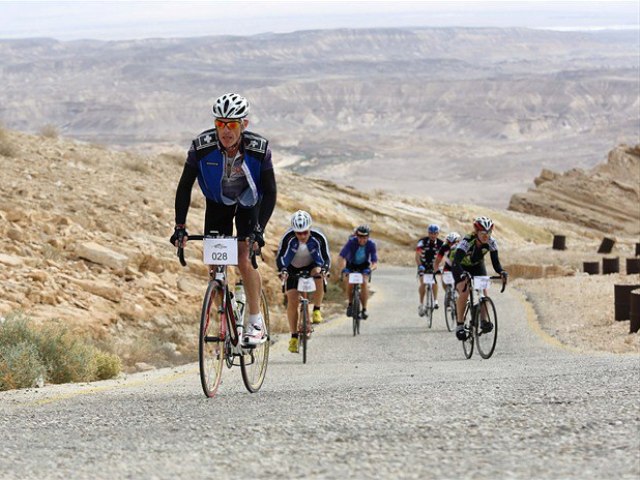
(473, 270)
(219, 217)
(352, 267)
(292, 279)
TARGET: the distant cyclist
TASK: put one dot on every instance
(426, 252)
(302, 248)
(359, 254)
(444, 258)
(468, 261)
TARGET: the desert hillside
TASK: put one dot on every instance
(86, 232)
(460, 104)
(606, 197)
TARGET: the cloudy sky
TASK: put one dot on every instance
(112, 20)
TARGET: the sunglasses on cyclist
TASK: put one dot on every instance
(231, 124)
(362, 236)
(304, 234)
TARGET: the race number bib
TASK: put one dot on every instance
(481, 283)
(306, 285)
(428, 279)
(447, 278)
(220, 251)
(356, 278)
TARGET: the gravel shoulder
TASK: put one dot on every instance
(579, 311)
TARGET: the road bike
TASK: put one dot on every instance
(428, 306)
(480, 318)
(224, 316)
(450, 299)
(356, 279)
(305, 285)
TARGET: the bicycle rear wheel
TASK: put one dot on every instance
(355, 312)
(486, 340)
(253, 363)
(450, 309)
(211, 343)
(467, 345)
(429, 304)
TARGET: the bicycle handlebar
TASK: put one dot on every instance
(252, 252)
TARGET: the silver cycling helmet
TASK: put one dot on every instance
(300, 221)
(231, 105)
(453, 237)
(483, 223)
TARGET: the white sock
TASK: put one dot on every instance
(255, 319)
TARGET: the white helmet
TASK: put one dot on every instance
(231, 105)
(483, 223)
(453, 237)
(300, 221)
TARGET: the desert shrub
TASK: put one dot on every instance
(7, 148)
(20, 366)
(49, 131)
(31, 355)
(108, 365)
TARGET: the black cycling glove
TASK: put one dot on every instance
(258, 237)
(178, 234)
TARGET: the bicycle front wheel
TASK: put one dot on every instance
(303, 335)
(211, 342)
(467, 345)
(253, 363)
(355, 312)
(486, 328)
(429, 306)
(450, 310)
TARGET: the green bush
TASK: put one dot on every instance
(20, 366)
(51, 353)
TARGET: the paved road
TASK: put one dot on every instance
(399, 401)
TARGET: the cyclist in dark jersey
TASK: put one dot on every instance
(468, 261)
(426, 251)
(359, 254)
(235, 173)
(446, 252)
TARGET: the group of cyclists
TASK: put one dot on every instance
(463, 257)
(304, 248)
(234, 170)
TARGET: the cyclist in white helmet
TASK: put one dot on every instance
(302, 248)
(426, 251)
(468, 261)
(445, 254)
(235, 173)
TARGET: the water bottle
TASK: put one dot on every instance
(241, 300)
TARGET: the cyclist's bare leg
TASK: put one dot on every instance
(463, 294)
(348, 288)
(364, 292)
(250, 278)
(292, 310)
(421, 290)
(318, 295)
(435, 291)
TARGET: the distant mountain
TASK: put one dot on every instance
(606, 198)
(456, 114)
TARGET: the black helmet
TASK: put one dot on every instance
(363, 230)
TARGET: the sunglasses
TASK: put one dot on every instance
(231, 124)
(362, 236)
(485, 232)
(303, 233)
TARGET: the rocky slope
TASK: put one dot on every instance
(86, 230)
(606, 198)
